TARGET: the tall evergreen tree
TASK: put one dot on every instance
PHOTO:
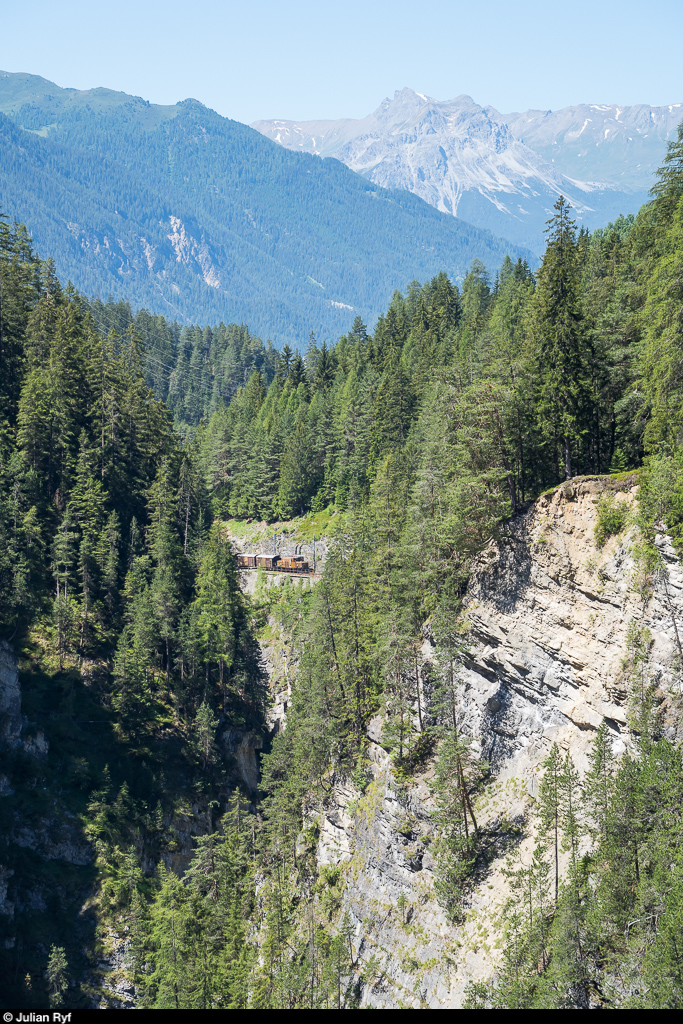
(564, 394)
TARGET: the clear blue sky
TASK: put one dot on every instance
(300, 59)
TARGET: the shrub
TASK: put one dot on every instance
(612, 518)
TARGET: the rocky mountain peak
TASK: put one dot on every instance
(503, 172)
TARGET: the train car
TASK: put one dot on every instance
(296, 565)
(291, 562)
(275, 563)
(267, 561)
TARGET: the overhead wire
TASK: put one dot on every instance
(190, 376)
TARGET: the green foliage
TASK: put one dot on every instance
(661, 494)
(412, 446)
(279, 240)
(57, 977)
(608, 938)
(109, 565)
(558, 332)
(190, 943)
(611, 519)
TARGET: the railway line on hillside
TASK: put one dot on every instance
(308, 573)
(291, 565)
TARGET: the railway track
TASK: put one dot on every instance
(282, 572)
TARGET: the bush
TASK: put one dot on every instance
(612, 518)
(661, 495)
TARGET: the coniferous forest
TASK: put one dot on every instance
(129, 444)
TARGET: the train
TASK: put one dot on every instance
(276, 563)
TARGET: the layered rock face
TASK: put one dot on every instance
(547, 616)
(10, 696)
(16, 732)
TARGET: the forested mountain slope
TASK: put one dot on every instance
(192, 215)
(132, 733)
(193, 370)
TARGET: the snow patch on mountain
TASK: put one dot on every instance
(502, 172)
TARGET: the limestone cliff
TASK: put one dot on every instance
(547, 615)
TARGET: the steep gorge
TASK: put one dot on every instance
(547, 616)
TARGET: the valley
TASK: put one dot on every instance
(199, 218)
(336, 674)
(537, 672)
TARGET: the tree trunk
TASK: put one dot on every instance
(334, 648)
(567, 460)
(557, 862)
(467, 796)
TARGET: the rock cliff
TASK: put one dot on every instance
(547, 615)
(16, 732)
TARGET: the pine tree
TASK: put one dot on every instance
(570, 808)
(215, 608)
(57, 978)
(562, 359)
(598, 785)
(549, 807)
(662, 317)
(205, 725)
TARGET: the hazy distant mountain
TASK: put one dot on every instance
(190, 214)
(501, 172)
(621, 146)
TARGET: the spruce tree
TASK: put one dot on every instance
(562, 359)
(549, 808)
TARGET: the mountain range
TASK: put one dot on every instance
(502, 172)
(201, 218)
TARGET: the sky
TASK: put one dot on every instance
(303, 60)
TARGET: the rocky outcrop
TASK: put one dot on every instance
(109, 984)
(242, 748)
(10, 697)
(59, 836)
(547, 616)
(15, 729)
